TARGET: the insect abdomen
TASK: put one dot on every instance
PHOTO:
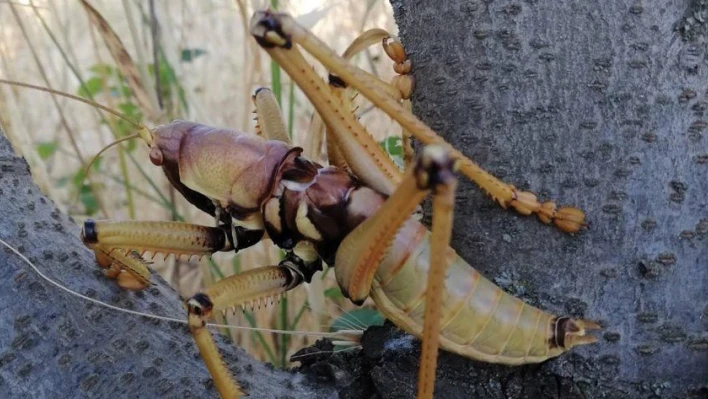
(479, 320)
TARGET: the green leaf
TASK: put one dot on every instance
(92, 87)
(89, 200)
(102, 69)
(120, 90)
(190, 54)
(123, 129)
(357, 318)
(63, 181)
(333, 293)
(393, 146)
(129, 109)
(78, 177)
(46, 149)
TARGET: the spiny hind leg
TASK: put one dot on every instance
(362, 153)
(443, 184)
(278, 33)
(398, 89)
(261, 286)
(346, 96)
(119, 245)
(361, 252)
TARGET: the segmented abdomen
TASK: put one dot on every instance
(479, 320)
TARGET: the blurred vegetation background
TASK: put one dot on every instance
(196, 62)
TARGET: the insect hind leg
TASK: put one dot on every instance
(280, 32)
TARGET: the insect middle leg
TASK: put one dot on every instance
(263, 285)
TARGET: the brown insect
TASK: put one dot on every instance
(355, 216)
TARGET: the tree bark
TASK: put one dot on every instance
(598, 104)
(55, 345)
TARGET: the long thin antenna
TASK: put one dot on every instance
(95, 157)
(73, 97)
(334, 335)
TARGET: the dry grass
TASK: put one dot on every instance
(51, 43)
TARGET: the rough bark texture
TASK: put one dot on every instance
(599, 104)
(54, 345)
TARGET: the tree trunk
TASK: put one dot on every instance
(55, 345)
(598, 104)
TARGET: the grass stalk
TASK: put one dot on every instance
(62, 117)
(275, 70)
(139, 52)
(291, 108)
(121, 151)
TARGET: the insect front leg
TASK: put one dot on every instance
(399, 89)
(270, 123)
(119, 245)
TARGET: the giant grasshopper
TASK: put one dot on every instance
(358, 220)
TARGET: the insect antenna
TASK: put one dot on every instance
(299, 357)
(87, 170)
(338, 336)
(74, 97)
(143, 132)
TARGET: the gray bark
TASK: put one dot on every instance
(54, 345)
(598, 104)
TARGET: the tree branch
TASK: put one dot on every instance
(53, 344)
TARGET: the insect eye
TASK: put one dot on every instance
(156, 156)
